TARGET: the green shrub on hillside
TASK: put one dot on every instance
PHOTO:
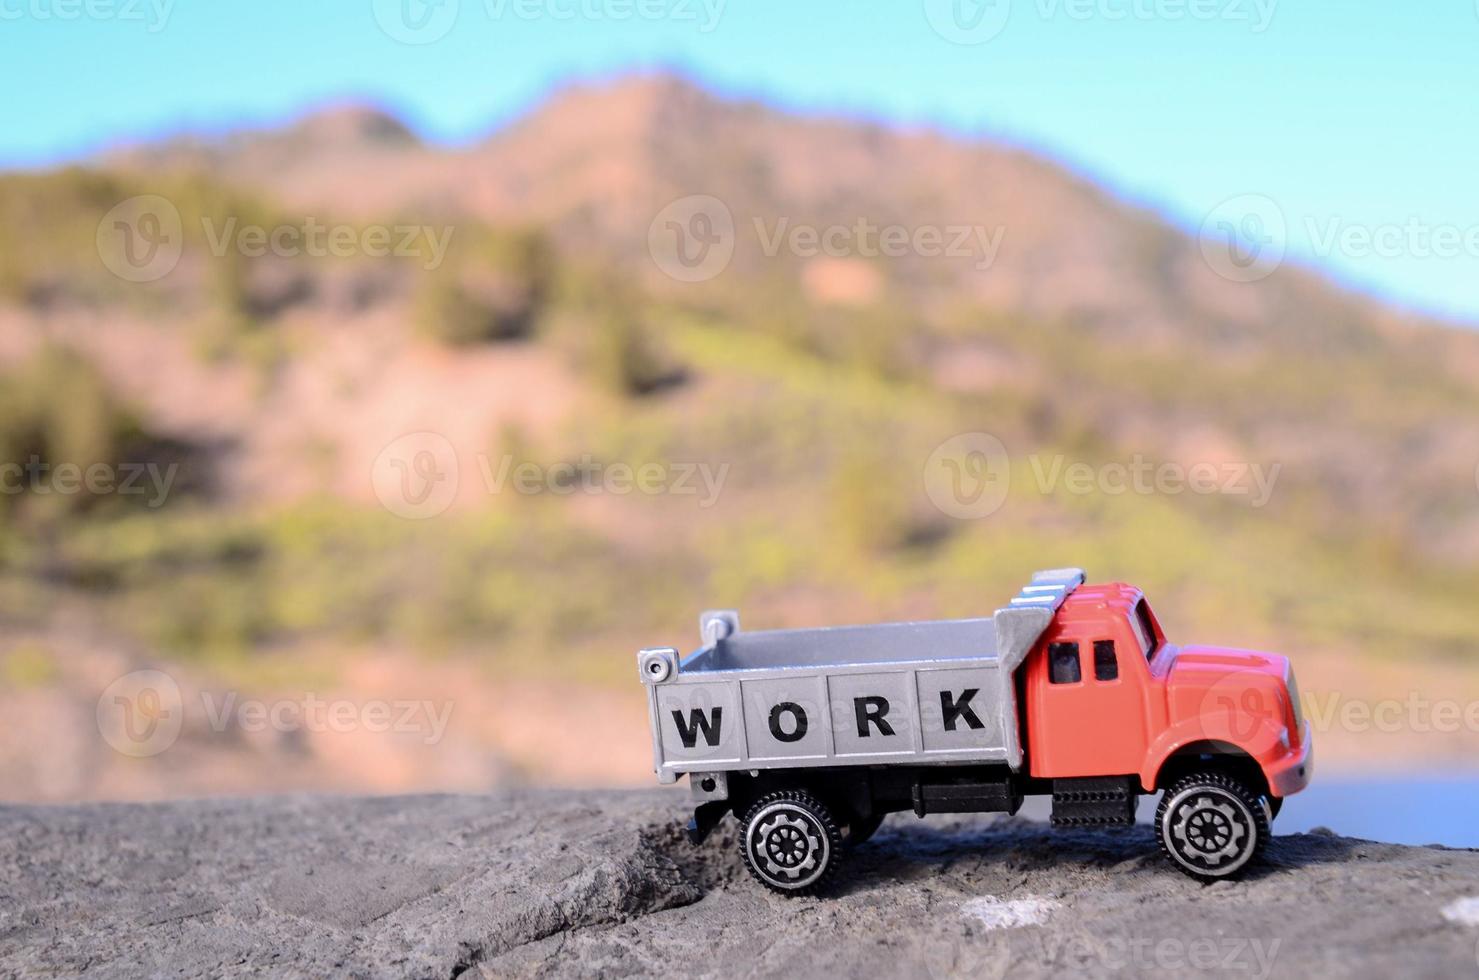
(54, 409)
(869, 501)
(48, 235)
(625, 357)
(490, 288)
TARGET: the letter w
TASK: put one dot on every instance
(696, 723)
(954, 710)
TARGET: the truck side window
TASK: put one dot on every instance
(1063, 663)
(1106, 664)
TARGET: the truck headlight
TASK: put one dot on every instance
(1296, 710)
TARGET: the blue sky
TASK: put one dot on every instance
(1359, 119)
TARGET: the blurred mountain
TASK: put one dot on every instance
(594, 165)
(531, 322)
(596, 162)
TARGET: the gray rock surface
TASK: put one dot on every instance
(567, 884)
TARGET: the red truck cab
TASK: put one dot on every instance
(1107, 695)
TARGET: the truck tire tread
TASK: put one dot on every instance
(1242, 806)
(824, 839)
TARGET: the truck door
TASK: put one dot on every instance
(1085, 706)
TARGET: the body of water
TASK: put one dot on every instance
(1435, 808)
(1418, 809)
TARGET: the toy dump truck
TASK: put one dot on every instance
(811, 736)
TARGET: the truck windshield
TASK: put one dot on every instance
(1144, 628)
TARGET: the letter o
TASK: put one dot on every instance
(797, 712)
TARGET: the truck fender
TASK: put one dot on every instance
(1261, 745)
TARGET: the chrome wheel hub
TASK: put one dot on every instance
(1209, 829)
(788, 847)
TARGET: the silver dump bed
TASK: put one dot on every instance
(896, 693)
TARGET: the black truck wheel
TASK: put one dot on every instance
(791, 842)
(1211, 826)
